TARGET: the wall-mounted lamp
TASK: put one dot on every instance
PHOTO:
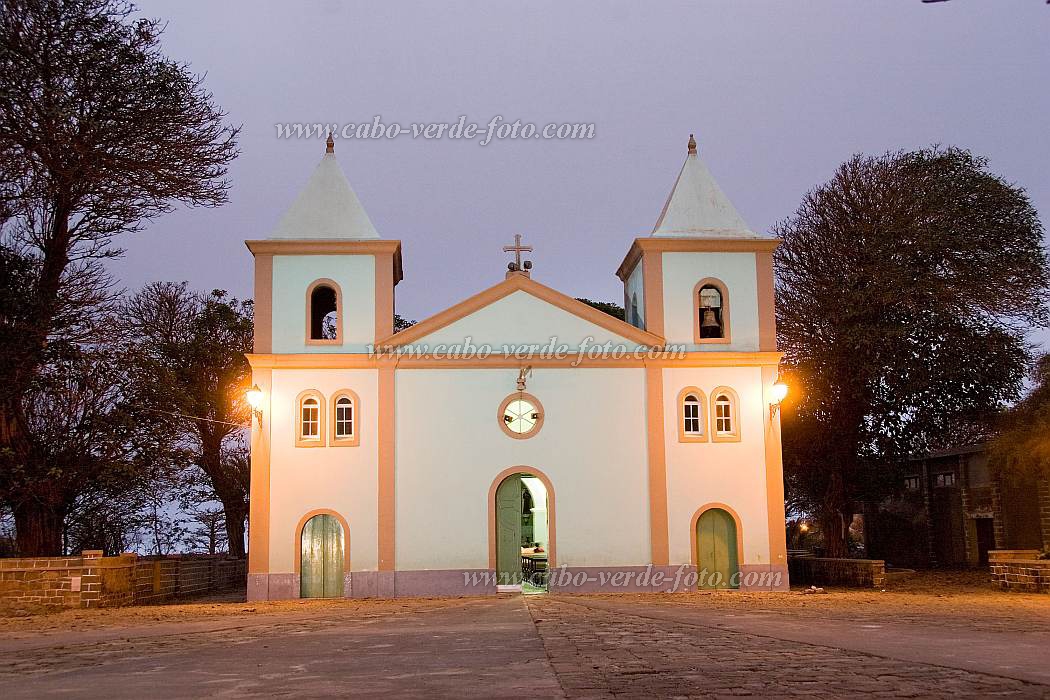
(255, 400)
(778, 393)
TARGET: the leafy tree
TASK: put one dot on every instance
(99, 131)
(905, 284)
(401, 323)
(606, 307)
(190, 377)
(1022, 446)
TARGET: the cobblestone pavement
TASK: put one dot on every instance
(686, 645)
(621, 649)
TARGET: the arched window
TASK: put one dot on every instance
(725, 415)
(324, 322)
(346, 419)
(634, 320)
(309, 429)
(710, 312)
(692, 415)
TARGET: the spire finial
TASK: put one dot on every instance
(692, 145)
(329, 145)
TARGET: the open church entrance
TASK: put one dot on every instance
(522, 534)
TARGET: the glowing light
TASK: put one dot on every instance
(779, 392)
(254, 397)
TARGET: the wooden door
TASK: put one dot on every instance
(321, 571)
(716, 551)
(508, 531)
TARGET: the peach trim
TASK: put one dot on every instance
(724, 291)
(499, 361)
(384, 294)
(327, 246)
(739, 531)
(774, 480)
(325, 282)
(507, 287)
(263, 340)
(297, 546)
(767, 317)
(702, 400)
(301, 441)
(259, 481)
(386, 485)
(691, 245)
(653, 292)
(355, 439)
(503, 407)
(734, 415)
(654, 401)
(552, 530)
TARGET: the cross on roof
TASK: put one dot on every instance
(517, 249)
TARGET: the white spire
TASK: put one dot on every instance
(697, 207)
(327, 207)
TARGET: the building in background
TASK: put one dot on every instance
(953, 508)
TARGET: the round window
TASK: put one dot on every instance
(520, 415)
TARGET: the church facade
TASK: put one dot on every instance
(519, 440)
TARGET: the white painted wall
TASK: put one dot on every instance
(520, 318)
(733, 473)
(737, 270)
(343, 479)
(634, 286)
(293, 274)
(592, 446)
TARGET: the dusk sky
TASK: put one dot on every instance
(777, 93)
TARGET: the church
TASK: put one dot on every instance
(520, 440)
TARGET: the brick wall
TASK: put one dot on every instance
(821, 571)
(1019, 570)
(92, 580)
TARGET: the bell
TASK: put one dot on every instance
(710, 322)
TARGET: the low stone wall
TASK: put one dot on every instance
(1019, 570)
(823, 571)
(92, 580)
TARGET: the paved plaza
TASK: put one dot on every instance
(896, 644)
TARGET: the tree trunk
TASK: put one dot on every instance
(834, 525)
(236, 514)
(38, 529)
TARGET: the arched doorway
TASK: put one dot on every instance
(522, 530)
(717, 559)
(322, 547)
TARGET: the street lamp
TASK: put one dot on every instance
(778, 392)
(255, 400)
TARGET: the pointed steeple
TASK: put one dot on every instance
(697, 207)
(327, 207)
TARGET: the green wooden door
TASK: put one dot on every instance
(716, 550)
(321, 573)
(508, 531)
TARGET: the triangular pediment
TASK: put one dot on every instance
(521, 312)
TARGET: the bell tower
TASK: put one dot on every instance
(324, 279)
(702, 278)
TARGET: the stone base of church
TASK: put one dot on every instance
(383, 584)
(482, 582)
(764, 577)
